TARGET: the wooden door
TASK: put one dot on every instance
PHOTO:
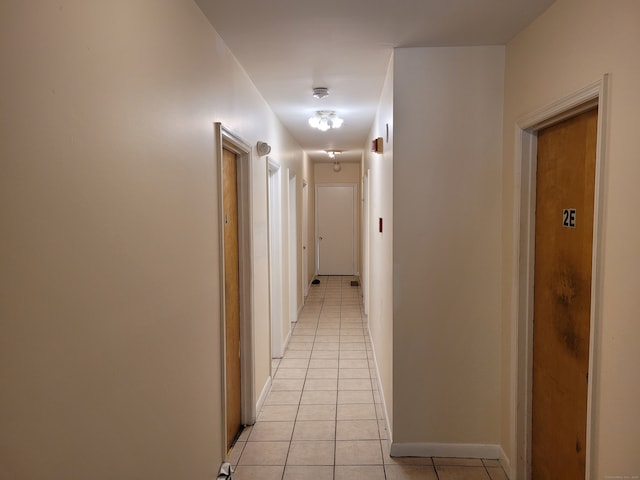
(336, 229)
(565, 184)
(231, 295)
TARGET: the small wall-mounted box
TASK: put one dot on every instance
(376, 145)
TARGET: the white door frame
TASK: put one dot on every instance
(523, 266)
(305, 240)
(355, 224)
(293, 248)
(275, 257)
(366, 267)
(224, 138)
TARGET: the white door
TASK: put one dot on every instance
(336, 229)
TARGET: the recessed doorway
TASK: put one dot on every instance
(558, 295)
(234, 174)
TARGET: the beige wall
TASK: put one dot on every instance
(379, 168)
(447, 248)
(349, 173)
(110, 358)
(572, 45)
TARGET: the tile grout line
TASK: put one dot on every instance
(318, 321)
(295, 420)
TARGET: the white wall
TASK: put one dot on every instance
(380, 317)
(110, 359)
(571, 45)
(447, 248)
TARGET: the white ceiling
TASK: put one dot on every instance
(288, 47)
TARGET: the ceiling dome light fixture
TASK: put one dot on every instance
(320, 92)
(323, 120)
(332, 153)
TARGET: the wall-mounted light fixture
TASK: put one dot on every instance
(263, 148)
(337, 167)
(323, 120)
(332, 153)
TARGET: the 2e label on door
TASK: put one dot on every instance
(569, 218)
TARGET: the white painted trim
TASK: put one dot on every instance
(292, 228)
(450, 450)
(366, 227)
(224, 138)
(304, 242)
(285, 344)
(380, 389)
(523, 266)
(310, 283)
(504, 461)
(263, 395)
(272, 165)
(276, 303)
(597, 273)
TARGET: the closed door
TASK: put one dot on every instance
(336, 229)
(565, 184)
(231, 295)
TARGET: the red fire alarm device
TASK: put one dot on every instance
(380, 224)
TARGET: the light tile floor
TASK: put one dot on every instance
(323, 419)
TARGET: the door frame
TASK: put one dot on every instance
(292, 226)
(356, 237)
(366, 221)
(588, 97)
(304, 241)
(225, 139)
(274, 212)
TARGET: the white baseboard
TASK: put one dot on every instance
(263, 395)
(506, 463)
(452, 450)
(285, 344)
(380, 390)
(307, 290)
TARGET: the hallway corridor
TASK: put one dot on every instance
(323, 419)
